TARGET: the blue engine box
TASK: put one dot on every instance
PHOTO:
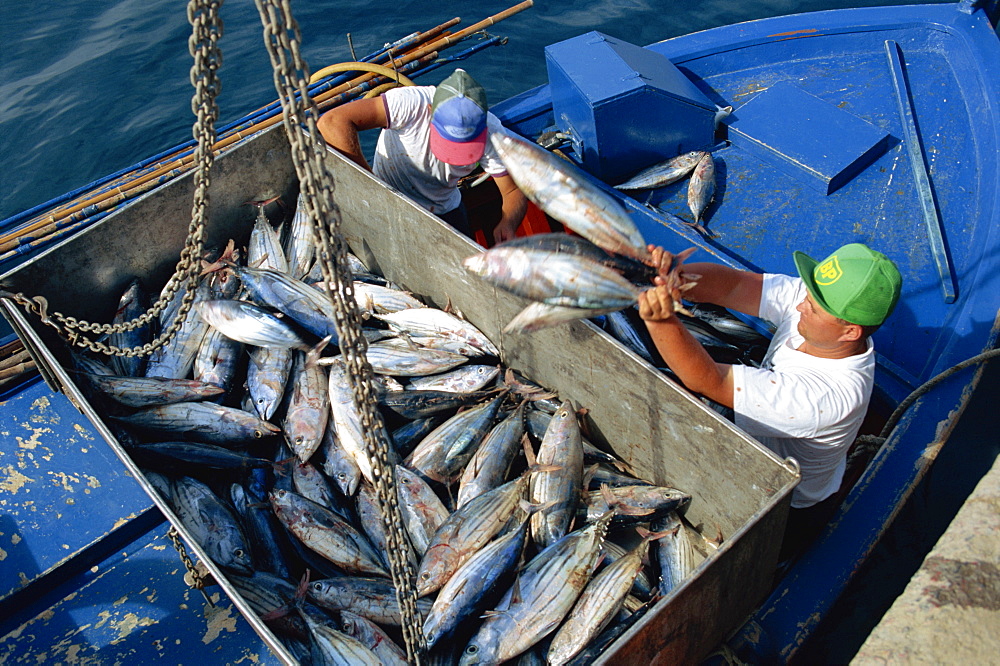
(624, 107)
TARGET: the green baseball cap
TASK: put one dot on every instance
(855, 283)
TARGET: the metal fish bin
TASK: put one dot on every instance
(739, 489)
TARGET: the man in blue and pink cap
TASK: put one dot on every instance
(431, 137)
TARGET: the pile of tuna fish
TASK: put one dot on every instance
(526, 538)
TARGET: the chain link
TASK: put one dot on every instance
(203, 45)
(291, 77)
(194, 578)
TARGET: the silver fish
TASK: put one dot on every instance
(623, 330)
(373, 598)
(634, 503)
(465, 379)
(442, 455)
(175, 359)
(545, 591)
(463, 593)
(338, 464)
(434, 324)
(536, 316)
(309, 307)
(264, 248)
(663, 173)
(727, 324)
(489, 465)
(566, 193)
(152, 391)
(335, 648)
(134, 302)
(308, 408)
(378, 298)
(399, 361)
(675, 553)
(372, 637)
(300, 248)
(212, 524)
(370, 518)
(597, 605)
(611, 552)
(701, 190)
(203, 422)
(557, 482)
(555, 278)
(312, 484)
(326, 533)
(467, 530)
(249, 324)
(267, 538)
(422, 510)
(267, 377)
(217, 359)
(346, 420)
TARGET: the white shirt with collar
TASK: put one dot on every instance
(802, 406)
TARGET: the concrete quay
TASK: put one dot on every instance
(949, 612)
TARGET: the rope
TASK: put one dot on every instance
(890, 424)
(203, 45)
(282, 38)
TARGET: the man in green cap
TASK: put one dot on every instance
(810, 395)
(431, 137)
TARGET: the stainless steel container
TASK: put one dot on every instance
(739, 488)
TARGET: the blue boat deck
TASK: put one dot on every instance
(761, 213)
(89, 573)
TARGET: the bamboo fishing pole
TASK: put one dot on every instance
(113, 196)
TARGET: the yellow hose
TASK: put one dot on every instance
(378, 90)
(360, 67)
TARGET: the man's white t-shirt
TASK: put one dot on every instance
(403, 156)
(798, 405)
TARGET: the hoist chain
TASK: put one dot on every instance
(203, 45)
(291, 76)
(194, 576)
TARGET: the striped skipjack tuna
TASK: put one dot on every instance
(525, 537)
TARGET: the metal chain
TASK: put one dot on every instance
(197, 580)
(282, 38)
(203, 45)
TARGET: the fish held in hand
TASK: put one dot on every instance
(564, 192)
(553, 278)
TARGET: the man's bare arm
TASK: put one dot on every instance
(340, 126)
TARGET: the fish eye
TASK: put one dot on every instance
(257, 434)
(239, 553)
(317, 586)
(472, 649)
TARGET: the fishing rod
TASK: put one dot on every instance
(336, 95)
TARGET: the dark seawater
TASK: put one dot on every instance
(88, 88)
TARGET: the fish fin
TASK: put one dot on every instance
(312, 356)
(609, 497)
(300, 591)
(588, 474)
(529, 453)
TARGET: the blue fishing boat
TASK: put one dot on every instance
(875, 125)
